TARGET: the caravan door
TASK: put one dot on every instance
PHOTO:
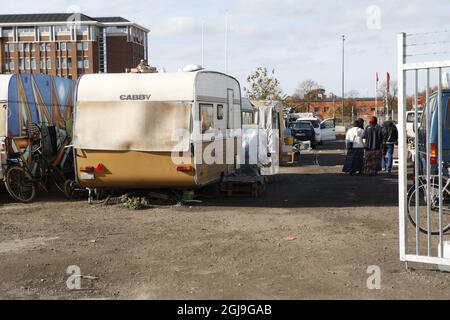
(328, 130)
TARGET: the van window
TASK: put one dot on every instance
(219, 112)
(2, 120)
(432, 105)
(411, 116)
(206, 117)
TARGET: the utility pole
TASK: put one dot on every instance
(226, 42)
(343, 77)
(203, 44)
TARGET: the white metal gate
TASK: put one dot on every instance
(422, 207)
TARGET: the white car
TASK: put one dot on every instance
(325, 130)
(410, 131)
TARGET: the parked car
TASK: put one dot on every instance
(433, 134)
(410, 130)
(324, 130)
(303, 131)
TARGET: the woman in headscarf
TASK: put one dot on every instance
(373, 145)
(355, 148)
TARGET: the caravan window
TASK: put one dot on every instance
(206, 117)
(219, 112)
(247, 117)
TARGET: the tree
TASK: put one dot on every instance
(392, 98)
(263, 86)
(309, 90)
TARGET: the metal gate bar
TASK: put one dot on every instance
(423, 177)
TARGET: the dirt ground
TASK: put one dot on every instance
(224, 248)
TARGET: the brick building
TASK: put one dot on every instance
(327, 108)
(69, 45)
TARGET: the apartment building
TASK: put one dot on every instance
(69, 45)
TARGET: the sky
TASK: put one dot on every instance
(300, 39)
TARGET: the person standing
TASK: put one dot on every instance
(373, 143)
(355, 148)
(390, 138)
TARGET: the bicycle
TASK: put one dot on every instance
(25, 174)
(433, 192)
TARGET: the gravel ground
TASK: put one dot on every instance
(224, 248)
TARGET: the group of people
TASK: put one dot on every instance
(371, 149)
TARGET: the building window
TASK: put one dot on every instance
(69, 63)
(25, 30)
(48, 47)
(62, 46)
(326, 109)
(6, 48)
(49, 64)
(82, 30)
(42, 63)
(80, 63)
(85, 46)
(79, 46)
(117, 30)
(33, 64)
(64, 63)
(11, 47)
(44, 30)
(69, 46)
(86, 63)
(26, 47)
(7, 32)
(20, 47)
(6, 65)
(27, 63)
(42, 47)
(12, 65)
(62, 29)
(21, 64)
(33, 47)
(316, 109)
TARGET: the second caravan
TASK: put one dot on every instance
(144, 130)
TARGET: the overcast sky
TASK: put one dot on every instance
(300, 39)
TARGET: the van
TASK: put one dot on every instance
(432, 109)
(156, 130)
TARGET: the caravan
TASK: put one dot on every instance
(155, 130)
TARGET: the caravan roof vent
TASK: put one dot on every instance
(192, 68)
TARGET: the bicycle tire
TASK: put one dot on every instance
(59, 180)
(411, 193)
(15, 179)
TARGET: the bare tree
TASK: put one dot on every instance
(309, 90)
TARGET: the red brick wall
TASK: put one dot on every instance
(122, 54)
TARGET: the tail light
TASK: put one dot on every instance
(88, 169)
(185, 168)
(100, 168)
(433, 154)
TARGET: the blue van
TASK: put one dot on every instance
(434, 148)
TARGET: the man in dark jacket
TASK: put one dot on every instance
(373, 142)
(390, 138)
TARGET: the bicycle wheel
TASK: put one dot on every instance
(58, 179)
(19, 184)
(422, 209)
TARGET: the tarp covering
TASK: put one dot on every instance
(132, 126)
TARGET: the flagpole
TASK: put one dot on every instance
(376, 95)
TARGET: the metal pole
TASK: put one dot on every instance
(402, 146)
(226, 42)
(440, 149)
(416, 160)
(426, 114)
(203, 44)
(343, 77)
